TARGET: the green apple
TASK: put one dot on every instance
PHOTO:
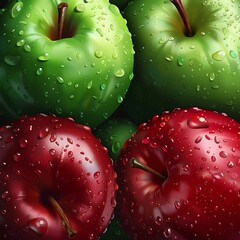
(113, 133)
(180, 67)
(72, 58)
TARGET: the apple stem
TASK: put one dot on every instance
(62, 8)
(136, 164)
(183, 14)
(69, 228)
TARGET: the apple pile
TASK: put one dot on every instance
(119, 120)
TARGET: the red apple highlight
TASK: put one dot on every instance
(57, 181)
(179, 177)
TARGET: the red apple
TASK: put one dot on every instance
(57, 181)
(179, 178)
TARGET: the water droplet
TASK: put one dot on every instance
(116, 146)
(52, 152)
(20, 43)
(198, 122)
(102, 86)
(230, 164)
(212, 77)
(98, 53)
(17, 157)
(80, 7)
(198, 139)
(39, 71)
(169, 58)
(217, 175)
(44, 57)
(219, 55)
(167, 232)
(177, 205)
(180, 61)
(43, 132)
(146, 140)
(223, 154)
(99, 30)
(233, 54)
(12, 60)
(16, 9)
(89, 86)
(119, 73)
(27, 48)
(120, 99)
(225, 33)
(158, 220)
(23, 143)
(38, 225)
(96, 175)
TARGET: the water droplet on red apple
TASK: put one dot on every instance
(38, 225)
(223, 154)
(96, 175)
(198, 139)
(43, 132)
(197, 122)
(177, 205)
(167, 233)
(218, 175)
(230, 164)
(23, 142)
(17, 157)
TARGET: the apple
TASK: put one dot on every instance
(72, 58)
(56, 180)
(179, 177)
(113, 134)
(186, 55)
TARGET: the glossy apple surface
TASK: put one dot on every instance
(49, 163)
(192, 190)
(174, 70)
(83, 70)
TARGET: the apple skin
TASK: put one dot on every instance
(84, 75)
(43, 156)
(197, 151)
(113, 133)
(172, 70)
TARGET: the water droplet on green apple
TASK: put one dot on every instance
(225, 33)
(12, 60)
(169, 58)
(116, 146)
(21, 32)
(38, 225)
(114, 55)
(60, 79)
(102, 86)
(27, 48)
(180, 61)
(39, 71)
(119, 99)
(119, 73)
(16, 9)
(71, 96)
(212, 76)
(44, 57)
(28, 15)
(219, 55)
(20, 43)
(89, 86)
(105, 115)
(232, 54)
(99, 30)
(98, 53)
(80, 7)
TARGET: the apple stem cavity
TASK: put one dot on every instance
(62, 8)
(136, 164)
(71, 232)
(178, 4)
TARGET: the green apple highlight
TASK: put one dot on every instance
(176, 69)
(70, 59)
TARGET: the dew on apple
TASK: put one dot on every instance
(44, 57)
(80, 7)
(39, 71)
(43, 133)
(198, 123)
(20, 43)
(119, 73)
(27, 48)
(167, 233)
(223, 154)
(219, 55)
(16, 9)
(12, 60)
(38, 225)
(23, 143)
(17, 157)
(232, 54)
(98, 53)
